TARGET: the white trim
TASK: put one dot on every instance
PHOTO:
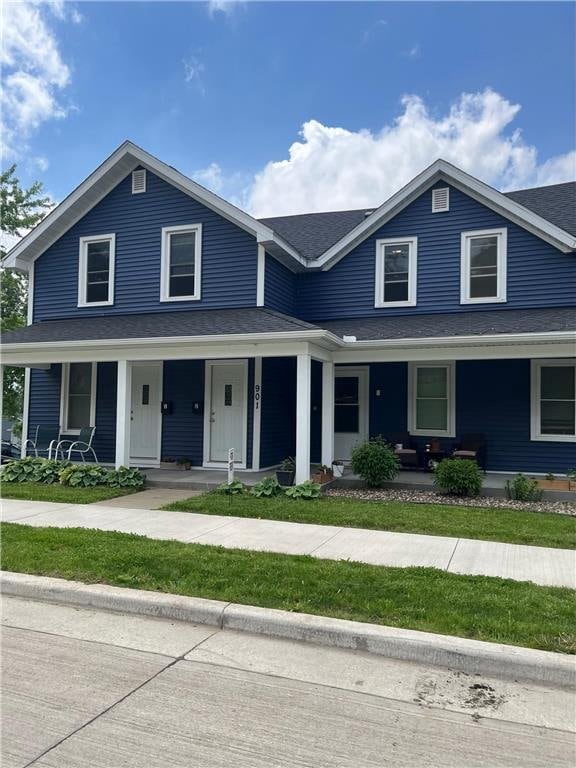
(30, 303)
(165, 262)
(209, 366)
(412, 243)
(25, 412)
(123, 406)
(501, 235)
(64, 390)
(442, 170)
(303, 411)
(82, 269)
(261, 276)
(535, 383)
(363, 374)
(450, 430)
(327, 413)
(155, 461)
(141, 171)
(442, 206)
(257, 414)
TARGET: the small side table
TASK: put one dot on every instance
(428, 456)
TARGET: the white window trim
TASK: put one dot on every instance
(64, 388)
(82, 270)
(412, 242)
(165, 262)
(502, 257)
(535, 381)
(450, 365)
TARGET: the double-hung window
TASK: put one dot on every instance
(78, 400)
(181, 263)
(483, 266)
(553, 400)
(396, 272)
(96, 271)
(431, 399)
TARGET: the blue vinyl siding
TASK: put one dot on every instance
(538, 274)
(278, 419)
(316, 412)
(183, 429)
(44, 398)
(105, 437)
(279, 287)
(492, 397)
(229, 255)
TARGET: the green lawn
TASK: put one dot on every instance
(517, 613)
(538, 528)
(60, 493)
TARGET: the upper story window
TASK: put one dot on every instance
(431, 399)
(181, 263)
(553, 400)
(396, 272)
(483, 266)
(78, 401)
(96, 271)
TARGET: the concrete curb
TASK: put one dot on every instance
(471, 656)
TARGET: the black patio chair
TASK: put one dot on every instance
(45, 440)
(472, 446)
(408, 454)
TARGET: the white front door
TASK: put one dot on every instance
(226, 385)
(145, 424)
(350, 410)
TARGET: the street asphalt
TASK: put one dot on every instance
(85, 688)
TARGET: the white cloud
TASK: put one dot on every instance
(193, 72)
(226, 7)
(234, 187)
(413, 52)
(34, 74)
(372, 30)
(333, 168)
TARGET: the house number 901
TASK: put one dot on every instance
(257, 396)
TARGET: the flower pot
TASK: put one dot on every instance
(168, 465)
(558, 484)
(322, 477)
(182, 467)
(285, 477)
(337, 469)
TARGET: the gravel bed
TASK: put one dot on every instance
(431, 497)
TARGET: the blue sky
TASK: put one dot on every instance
(222, 92)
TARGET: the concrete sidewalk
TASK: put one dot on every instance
(541, 565)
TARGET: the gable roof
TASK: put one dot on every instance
(111, 172)
(317, 240)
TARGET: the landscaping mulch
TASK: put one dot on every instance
(431, 497)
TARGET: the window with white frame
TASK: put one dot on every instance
(96, 271)
(483, 266)
(78, 400)
(553, 400)
(431, 399)
(181, 263)
(396, 272)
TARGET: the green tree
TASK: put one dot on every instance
(20, 210)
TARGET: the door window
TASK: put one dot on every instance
(346, 404)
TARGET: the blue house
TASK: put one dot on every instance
(178, 325)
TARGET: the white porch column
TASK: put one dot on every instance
(123, 415)
(303, 394)
(327, 413)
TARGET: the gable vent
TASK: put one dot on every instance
(138, 181)
(440, 200)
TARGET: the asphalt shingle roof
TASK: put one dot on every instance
(200, 322)
(456, 324)
(313, 233)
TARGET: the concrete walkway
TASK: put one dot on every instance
(542, 565)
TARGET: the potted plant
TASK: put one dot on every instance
(323, 474)
(285, 475)
(183, 463)
(337, 468)
(572, 479)
(553, 483)
(167, 462)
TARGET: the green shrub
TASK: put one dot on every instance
(458, 477)
(375, 462)
(306, 490)
(523, 488)
(235, 488)
(267, 487)
(124, 477)
(33, 469)
(83, 475)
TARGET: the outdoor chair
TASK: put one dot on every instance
(82, 445)
(9, 448)
(408, 454)
(45, 440)
(472, 446)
